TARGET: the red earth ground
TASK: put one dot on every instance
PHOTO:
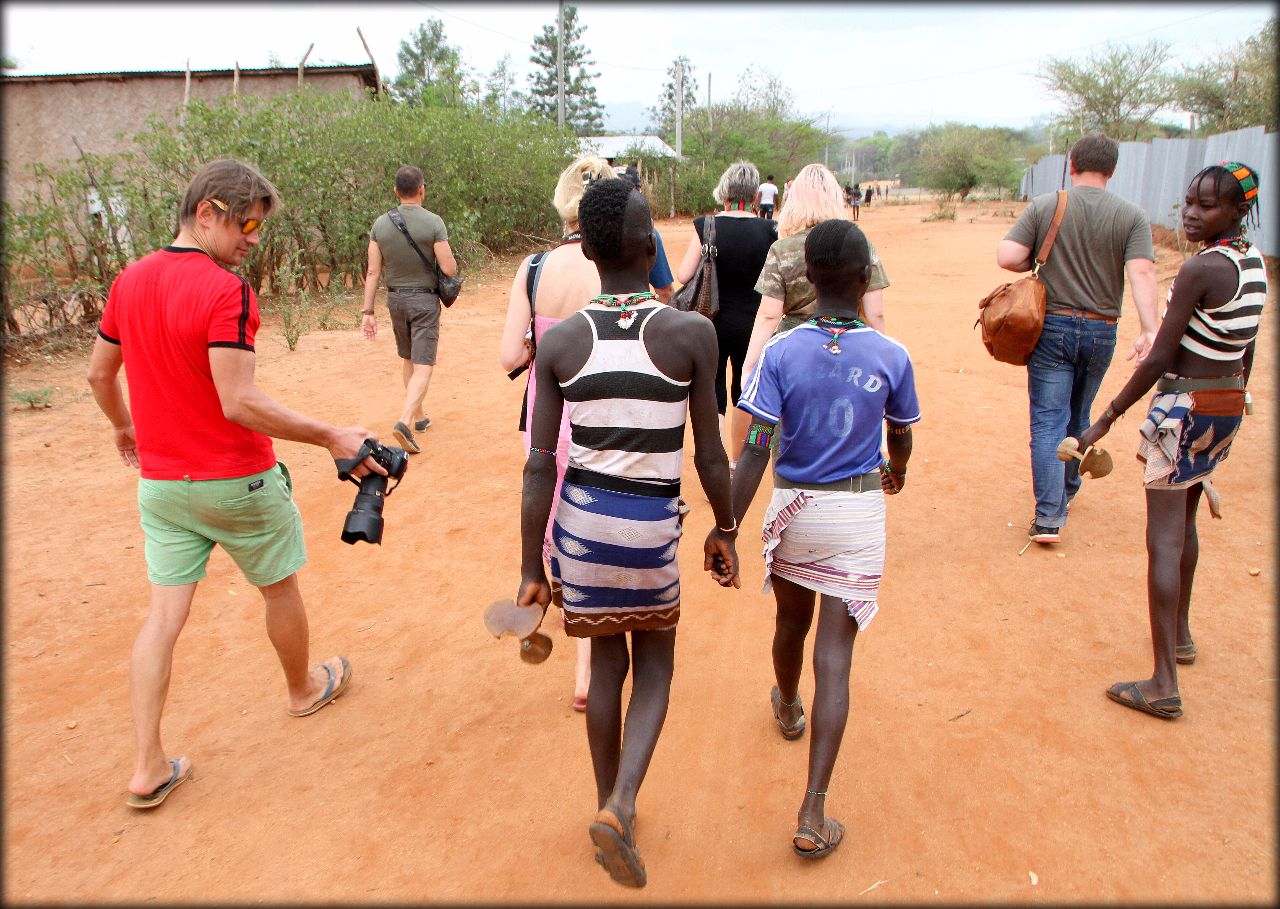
(981, 762)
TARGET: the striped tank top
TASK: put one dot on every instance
(1222, 333)
(626, 418)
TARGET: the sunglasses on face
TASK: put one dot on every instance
(247, 226)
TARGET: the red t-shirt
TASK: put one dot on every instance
(166, 310)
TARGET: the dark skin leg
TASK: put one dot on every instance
(620, 762)
(1187, 572)
(791, 627)
(1170, 567)
(832, 659)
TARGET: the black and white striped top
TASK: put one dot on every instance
(626, 417)
(1222, 333)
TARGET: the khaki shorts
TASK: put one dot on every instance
(253, 518)
(415, 319)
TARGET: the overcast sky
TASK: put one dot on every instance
(868, 64)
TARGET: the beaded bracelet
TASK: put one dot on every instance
(1111, 414)
(545, 451)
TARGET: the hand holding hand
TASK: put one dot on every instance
(720, 557)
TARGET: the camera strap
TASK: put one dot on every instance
(346, 465)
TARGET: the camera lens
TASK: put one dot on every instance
(364, 521)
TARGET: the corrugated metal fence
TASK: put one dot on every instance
(1154, 175)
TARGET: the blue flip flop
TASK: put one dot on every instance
(330, 692)
(159, 795)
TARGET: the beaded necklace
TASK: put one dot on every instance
(837, 325)
(736, 206)
(625, 318)
(572, 238)
(1240, 244)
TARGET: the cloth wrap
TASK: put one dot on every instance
(615, 555)
(831, 542)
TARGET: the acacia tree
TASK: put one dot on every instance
(955, 159)
(1117, 90)
(664, 112)
(583, 113)
(1237, 89)
(432, 73)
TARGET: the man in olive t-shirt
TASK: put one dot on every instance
(411, 294)
(1102, 239)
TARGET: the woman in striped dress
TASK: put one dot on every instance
(1199, 364)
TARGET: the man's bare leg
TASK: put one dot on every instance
(417, 376)
(150, 665)
(791, 627)
(832, 659)
(290, 635)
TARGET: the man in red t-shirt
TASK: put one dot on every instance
(182, 326)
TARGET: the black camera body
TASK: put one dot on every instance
(364, 521)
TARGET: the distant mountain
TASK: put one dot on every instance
(626, 117)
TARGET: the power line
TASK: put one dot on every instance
(983, 69)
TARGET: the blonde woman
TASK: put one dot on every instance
(787, 299)
(564, 281)
(742, 241)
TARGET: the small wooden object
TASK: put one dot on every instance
(1094, 462)
(504, 618)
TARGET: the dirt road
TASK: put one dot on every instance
(981, 763)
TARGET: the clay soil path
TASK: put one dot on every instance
(982, 761)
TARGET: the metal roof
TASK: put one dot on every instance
(616, 146)
(366, 72)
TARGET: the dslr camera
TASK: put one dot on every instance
(364, 521)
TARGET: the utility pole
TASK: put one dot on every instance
(826, 151)
(560, 67)
(679, 106)
(711, 126)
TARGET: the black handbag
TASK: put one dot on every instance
(702, 293)
(447, 286)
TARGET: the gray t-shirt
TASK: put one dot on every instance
(400, 264)
(1100, 233)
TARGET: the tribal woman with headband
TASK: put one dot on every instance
(1200, 365)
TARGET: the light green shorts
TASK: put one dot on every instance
(253, 518)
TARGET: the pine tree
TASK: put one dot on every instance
(583, 113)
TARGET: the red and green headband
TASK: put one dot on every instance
(1245, 176)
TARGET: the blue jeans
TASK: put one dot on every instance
(1064, 374)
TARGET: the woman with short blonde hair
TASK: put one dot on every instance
(573, 181)
(742, 240)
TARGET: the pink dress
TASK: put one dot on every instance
(540, 326)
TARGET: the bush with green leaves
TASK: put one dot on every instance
(333, 157)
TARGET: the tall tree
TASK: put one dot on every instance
(432, 73)
(1237, 89)
(500, 87)
(1117, 90)
(664, 113)
(583, 113)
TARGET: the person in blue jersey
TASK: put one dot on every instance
(826, 387)
(1200, 365)
(629, 371)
